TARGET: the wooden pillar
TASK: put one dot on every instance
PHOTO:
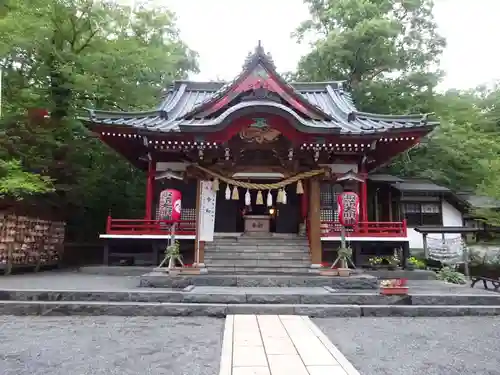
(315, 221)
(389, 197)
(156, 253)
(150, 189)
(199, 246)
(105, 254)
(304, 203)
(465, 256)
(426, 248)
(406, 254)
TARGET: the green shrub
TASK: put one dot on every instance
(451, 276)
(417, 263)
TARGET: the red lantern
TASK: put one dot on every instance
(348, 206)
(170, 205)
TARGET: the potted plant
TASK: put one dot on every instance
(415, 263)
(375, 262)
(393, 261)
(393, 287)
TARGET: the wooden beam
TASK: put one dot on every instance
(315, 221)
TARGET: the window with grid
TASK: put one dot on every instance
(423, 214)
(328, 201)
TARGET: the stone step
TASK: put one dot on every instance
(263, 250)
(258, 249)
(287, 295)
(263, 279)
(71, 308)
(254, 270)
(268, 242)
(277, 263)
(257, 256)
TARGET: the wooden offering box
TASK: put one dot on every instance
(257, 224)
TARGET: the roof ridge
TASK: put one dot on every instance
(95, 114)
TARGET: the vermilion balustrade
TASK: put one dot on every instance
(188, 227)
(366, 229)
(142, 226)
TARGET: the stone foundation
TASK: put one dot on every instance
(160, 280)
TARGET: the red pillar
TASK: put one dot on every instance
(363, 196)
(150, 189)
(364, 201)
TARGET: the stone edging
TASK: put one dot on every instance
(68, 308)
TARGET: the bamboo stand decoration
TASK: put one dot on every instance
(344, 253)
(172, 252)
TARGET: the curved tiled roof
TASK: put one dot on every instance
(182, 103)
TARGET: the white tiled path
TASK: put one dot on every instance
(279, 345)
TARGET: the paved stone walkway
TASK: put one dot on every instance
(279, 345)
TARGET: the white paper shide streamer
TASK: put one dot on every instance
(269, 199)
(248, 199)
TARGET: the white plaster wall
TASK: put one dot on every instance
(451, 218)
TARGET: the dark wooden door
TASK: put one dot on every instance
(288, 215)
(227, 216)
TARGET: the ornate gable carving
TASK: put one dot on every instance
(259, 132)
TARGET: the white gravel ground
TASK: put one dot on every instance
(418, 346)
(110, 345)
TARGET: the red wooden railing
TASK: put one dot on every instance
(142, 226)
(188, 227)
(366, 229)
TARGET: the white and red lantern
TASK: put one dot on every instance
(348, 206)
(170, 205)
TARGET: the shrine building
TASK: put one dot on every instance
(275, 155)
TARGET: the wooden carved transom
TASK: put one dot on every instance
(259, 132)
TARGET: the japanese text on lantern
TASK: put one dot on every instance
(348, 205)
(168, 205)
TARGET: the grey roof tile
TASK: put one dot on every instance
(420, 186)
(186, 97)
(381, 177)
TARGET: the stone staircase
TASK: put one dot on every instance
(258, 255)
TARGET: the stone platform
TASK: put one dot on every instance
(162, 280)
(138, 271)
(74, 293)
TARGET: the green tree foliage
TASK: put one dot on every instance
(17, 183)
(388, 52)
(65, 55)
